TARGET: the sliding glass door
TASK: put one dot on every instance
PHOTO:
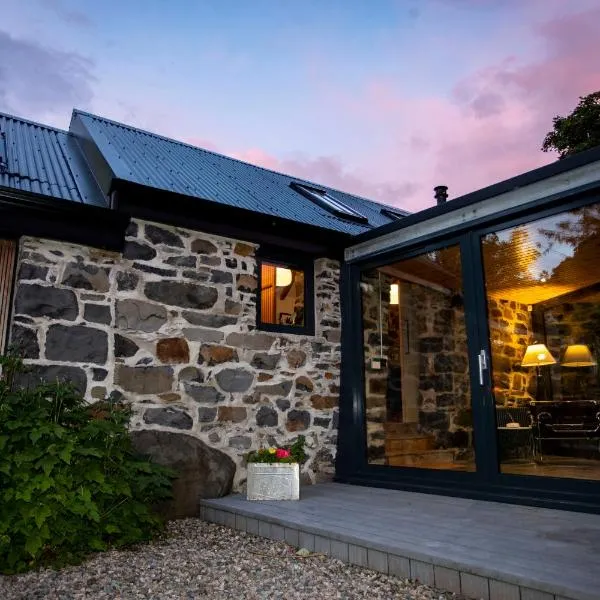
(542, 291)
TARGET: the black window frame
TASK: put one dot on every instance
(305, 264)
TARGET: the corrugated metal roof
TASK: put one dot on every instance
(40, 159)
(152, 160)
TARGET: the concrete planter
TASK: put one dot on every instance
(277, 481)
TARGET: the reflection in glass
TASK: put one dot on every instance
(543, 297)
(417, 397)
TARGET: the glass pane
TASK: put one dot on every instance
(543, 296)
(282, 295)
(417, 396)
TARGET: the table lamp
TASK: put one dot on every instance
(537, 355)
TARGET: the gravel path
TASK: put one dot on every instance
(198, 560)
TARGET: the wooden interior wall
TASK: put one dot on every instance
(7, 263)
(267, 294)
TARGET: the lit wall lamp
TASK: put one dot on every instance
(578, 355)
(283, 277)
(537, 355)
(394, 293)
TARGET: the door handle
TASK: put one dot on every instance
(482, 361)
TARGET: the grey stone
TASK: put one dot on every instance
(234, 380)
(168, 417)
(46, 301)
(231, 263)
(158, 235)
(203, 472)
(137, 251)
(240, 442)
(132, 229)
(99, 374)
(208, 319)
(124, 347)
(296, 358)
(282, 404)
(185, 295)
(221, 277)
(197, 275)
(25, 342)
(202, 335)
(181, 261)
(201, 246)
(213, 261)
(144, 380)
(297, 420)
(267, 417)
(277, 389)
(139, 315)
(263, 360)
(52, 373)
(97, 313)
(321, 422)
(207, 414)
(76, 343)
(251, 341)
(154, 270)
(203, 393)
(30, 271)
(86, 277)
(126, 281)
(192, 374)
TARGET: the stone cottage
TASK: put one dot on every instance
(200, 289)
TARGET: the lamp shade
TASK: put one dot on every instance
(283, 277)
(578, 355)
(537, 355)
(394, 293)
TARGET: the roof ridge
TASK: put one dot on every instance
(34, 123)
(186, 145)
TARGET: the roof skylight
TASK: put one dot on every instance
(327, 201)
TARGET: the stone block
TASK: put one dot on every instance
(173, 350)
(297, 420)
(46, 301)
(242, 249)
(25, 341)
(215, 355)
(208, 319)
(201, 334)
(264, 360)
(203, 393)
(97, 313)
(474, 586)
(76, 343)
(240, 442)
(282, 388)
(160, 235)
(86, 277)
(168, 417)
(234, 414)
(246, 283)
(203, 472)
(296, 358)
(52, 373)
(267, 416)
(137, 251)
(235, 380)
(200, 246)
(207, 414)
(144, 380)
(126, 281)
(138, 315)
(324, 402)
(182, 294)
(251, 341)
(31, 271)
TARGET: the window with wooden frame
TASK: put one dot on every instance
(8, 250)
(285, 301)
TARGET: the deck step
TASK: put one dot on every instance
(408, 443)
(429, 458)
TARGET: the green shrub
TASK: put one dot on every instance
(70, 482)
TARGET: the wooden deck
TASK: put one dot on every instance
(480, 549)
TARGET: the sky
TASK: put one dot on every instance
(381, 98)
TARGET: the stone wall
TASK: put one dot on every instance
(510, 333)
(170, 326)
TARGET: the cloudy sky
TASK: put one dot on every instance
(383, 98)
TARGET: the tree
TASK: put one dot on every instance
(578, 131)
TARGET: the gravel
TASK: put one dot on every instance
(200, 560)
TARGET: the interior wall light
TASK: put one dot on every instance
(283, 277)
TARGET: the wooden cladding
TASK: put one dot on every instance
(267, 291)
(7, 264)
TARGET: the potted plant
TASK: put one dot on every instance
(274, 473)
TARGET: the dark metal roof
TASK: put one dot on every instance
(43, 160)
(151, 160)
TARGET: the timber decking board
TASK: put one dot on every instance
(540, 550)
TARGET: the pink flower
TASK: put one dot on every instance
(281, 453)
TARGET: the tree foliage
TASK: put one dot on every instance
(578, 131)
(69, 480)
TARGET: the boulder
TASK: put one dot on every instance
(203, 472)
